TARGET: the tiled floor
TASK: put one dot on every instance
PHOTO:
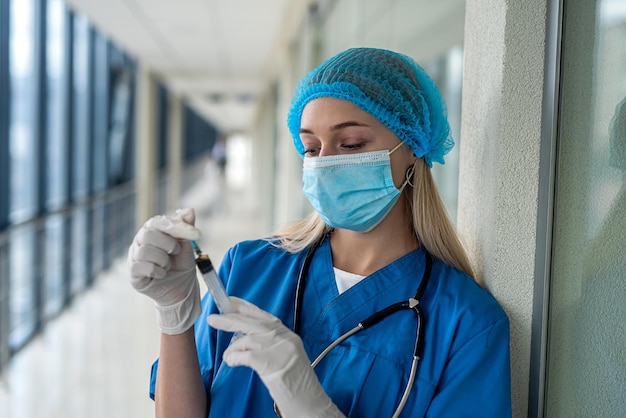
(94, 360)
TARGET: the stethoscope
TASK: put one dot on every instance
(413, 304)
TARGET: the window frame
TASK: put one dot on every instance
(545, 209)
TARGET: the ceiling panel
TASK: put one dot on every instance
(204, 49)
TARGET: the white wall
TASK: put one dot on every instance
(498, 184)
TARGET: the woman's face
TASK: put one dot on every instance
(331, 126)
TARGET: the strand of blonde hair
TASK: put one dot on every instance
(431, 223)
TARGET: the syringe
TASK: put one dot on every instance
(212, 280)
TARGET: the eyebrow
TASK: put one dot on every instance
(339, 126)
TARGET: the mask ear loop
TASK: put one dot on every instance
(409, 174)
(395, 148)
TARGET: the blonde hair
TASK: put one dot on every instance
(431, 224)
(432, 227)
(301, 234)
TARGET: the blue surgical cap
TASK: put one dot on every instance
(390, 86)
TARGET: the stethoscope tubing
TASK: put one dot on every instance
(412, 303)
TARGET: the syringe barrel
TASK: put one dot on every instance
(215, 286)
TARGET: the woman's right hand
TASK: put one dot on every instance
(162, 267)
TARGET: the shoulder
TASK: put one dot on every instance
(258, 250)
(469, 348)
(460, 299)
(261, 258)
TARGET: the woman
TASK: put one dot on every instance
(368, 123)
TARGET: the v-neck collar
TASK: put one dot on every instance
(327, 314)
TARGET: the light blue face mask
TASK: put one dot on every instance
(353, 191)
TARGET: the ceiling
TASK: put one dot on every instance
(216, 53)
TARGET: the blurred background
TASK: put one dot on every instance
(114, 111)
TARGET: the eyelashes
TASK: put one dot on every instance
(313, 151)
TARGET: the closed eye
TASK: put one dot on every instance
(311, 152)
(353, 147)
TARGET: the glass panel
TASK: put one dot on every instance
(587, 336)
(23, 317)
(57, 150)
(162, 126)
(82, 138)
(450, 82)
(119, 134)
(79, 250)
(100, 112)
(5, 302)
(23, 120)
(96, 237)
(55, 243)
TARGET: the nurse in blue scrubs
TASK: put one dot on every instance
(368, 124)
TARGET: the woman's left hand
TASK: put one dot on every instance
(278, 356)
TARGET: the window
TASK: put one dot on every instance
(56, 145)
(449, 72)
(100, 112)
(586, 373)
(56, 118)
(162, 126)
(81, 108)
(4, 129)
(54, 288)
(23, 317)
(120, 144)
(23, 110)
(79, 251)
(23, 153)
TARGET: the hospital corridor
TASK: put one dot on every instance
(94, 359)
(476, 147)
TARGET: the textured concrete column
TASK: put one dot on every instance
(499, 160)
(175, 151)
(145, 145)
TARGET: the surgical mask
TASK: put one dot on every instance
(352, 191)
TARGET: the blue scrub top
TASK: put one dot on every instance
(464, 371)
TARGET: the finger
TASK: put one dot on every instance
(157, 239)
(259, 360)
(241, 324)
(150, 254)
(238, 358)
(174, 226)
(221, 322)
(140, 270)
(251, 310)
(140, 283)
(244, 342)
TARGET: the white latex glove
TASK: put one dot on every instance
(277, 355)
(162, 267)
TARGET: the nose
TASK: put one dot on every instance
(326, 150)
(323, 153)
